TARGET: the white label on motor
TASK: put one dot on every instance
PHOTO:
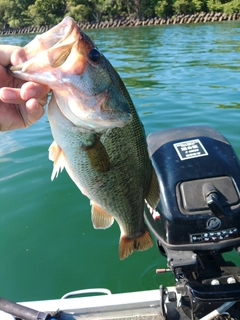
(190, 149)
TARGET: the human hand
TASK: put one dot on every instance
(21, 102)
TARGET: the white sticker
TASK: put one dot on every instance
(190, 149)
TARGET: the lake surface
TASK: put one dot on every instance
(177, 75)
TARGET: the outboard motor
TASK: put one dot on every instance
(197, 218)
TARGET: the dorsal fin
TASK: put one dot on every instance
(153, 194)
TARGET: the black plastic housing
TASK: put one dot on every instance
(199, 177)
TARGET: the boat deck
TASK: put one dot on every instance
(144, 305)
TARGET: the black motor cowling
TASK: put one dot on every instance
(199, 176)
(198, 216)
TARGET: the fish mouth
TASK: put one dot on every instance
(47, 51)
(58, 58)
(63, 34)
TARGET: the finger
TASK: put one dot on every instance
(9, 118)
(34, 111)
(10, 95)
(5, 80)
(31, 90)
(5, 54)
(18, 56)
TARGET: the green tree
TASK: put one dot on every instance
(14, 12)
(98, 7)
(183, 6)
(79, 10)
(17, 13)
(5, 9)
(232, 6)
(145, 8)
(216, 5)
(91, 10)
(199, 5)
(164, 8)
(44, 12)
(113, 9)
(189, 6)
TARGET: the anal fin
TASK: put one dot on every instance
(100, 219)
(153, 194)
(56, 155)
(128, 245)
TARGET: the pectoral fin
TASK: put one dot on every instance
(56, 155)
(100, 219)
(153, 194)
(98, 156)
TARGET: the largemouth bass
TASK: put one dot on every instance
(98, 136)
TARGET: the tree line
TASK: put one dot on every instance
(19, 13)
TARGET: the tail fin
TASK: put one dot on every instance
(128, 245)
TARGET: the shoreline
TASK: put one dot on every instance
(131, 22)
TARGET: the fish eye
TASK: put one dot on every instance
(94, 55)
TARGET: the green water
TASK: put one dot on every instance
(177, 75)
